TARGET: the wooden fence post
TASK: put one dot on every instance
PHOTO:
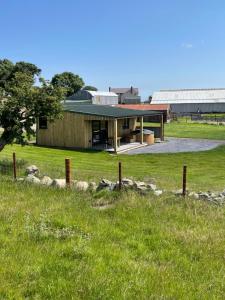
(68, 172)
(14, 165)
(120, 176)
(184, 180)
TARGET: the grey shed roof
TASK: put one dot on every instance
(107, 111)
(123, 90)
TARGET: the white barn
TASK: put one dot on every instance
(94, 97)
(192, 100)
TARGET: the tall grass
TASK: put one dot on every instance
(56, 245)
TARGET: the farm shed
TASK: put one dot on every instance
(127, 95)
(192, 100)
(94, 126)
(94, 97)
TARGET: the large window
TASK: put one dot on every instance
(43, 123)
(126, 123)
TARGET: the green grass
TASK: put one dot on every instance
(185, 128)
(206, 170)
(195, 130)
(55, 245)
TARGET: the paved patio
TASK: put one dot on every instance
(175, 145)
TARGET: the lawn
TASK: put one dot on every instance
(206, 170)
(55, 245)
(194, 130)
(185, 128)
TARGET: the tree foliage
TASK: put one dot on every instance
(22, 102)
(70, 82)
(90, 88)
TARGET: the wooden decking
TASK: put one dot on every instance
(122, 148)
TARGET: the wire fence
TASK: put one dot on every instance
(190, 176)
(12, 167)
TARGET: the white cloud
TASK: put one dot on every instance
(187, 45)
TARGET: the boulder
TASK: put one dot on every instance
(32, 170)
(106, 184)
(59, 183)
(152, 187)
(204, 196)
(158, 193)
(46, 180)
(32, 179)
(178, 192)
(194, 195)
(21, 179)
(127, 182)
(140, 185)
(93, 186)
(81, 185)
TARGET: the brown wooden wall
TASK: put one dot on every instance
(75, 130)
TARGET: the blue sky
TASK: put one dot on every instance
(148, 44)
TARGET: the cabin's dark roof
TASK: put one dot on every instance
(107, 111)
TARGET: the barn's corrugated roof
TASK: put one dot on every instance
(189, 96)
(102, 93)
(107, 111)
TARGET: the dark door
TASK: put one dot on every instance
(99, 132)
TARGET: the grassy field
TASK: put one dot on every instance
(55, 245)
(206, 170)
(195, 130)
(189, 129)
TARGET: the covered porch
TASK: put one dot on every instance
(119, 135)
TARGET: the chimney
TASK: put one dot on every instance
(109, 89)
(131, 90)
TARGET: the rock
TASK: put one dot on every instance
(194, 195)
(81, 185)
(152, 187)
(178, 192)
(32, 170)
(93, 186)
(32, 179)
(59, 183)
(139, 183)
(204, 196)
(158, 193)
(21, 179)
(106, 184)
(127, 182)
(46, 180)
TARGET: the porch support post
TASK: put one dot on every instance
(162, 128)
(115, 135)
(141, 123)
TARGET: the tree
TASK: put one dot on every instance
(70, 82)
(8, 70)
(90, 88)
(23, 102)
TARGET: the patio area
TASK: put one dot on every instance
(124, 147)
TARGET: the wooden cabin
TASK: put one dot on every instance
(94, 126)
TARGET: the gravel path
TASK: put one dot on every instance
(174, 145)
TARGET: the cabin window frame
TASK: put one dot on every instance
(43, 123)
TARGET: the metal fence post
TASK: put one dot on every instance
(120, 176)
(184, 180)
(14, 165)
(68, 172)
